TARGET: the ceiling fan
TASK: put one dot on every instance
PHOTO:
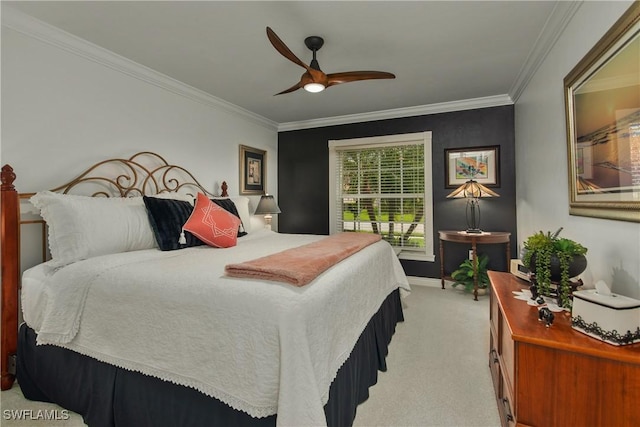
(314, 79)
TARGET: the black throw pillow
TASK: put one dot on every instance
(167, 216)
(229, 206)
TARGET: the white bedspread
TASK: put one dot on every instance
(260, 347)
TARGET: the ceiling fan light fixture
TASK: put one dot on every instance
(314, 87)
(313, 75)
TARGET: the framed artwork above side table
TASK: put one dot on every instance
(482, 164)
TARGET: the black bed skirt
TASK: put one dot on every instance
(109, 396)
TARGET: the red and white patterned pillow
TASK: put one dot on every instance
(212, 224)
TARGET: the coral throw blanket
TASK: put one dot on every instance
(299, 266)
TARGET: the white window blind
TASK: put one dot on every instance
(381, 185)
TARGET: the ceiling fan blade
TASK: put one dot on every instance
(284, 50)
(291, 89)
(354, 76)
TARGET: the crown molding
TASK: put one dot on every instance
(552, 30)
(419, 110)
(34, 28)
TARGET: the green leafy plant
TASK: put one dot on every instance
(540, 250)
(464, 274)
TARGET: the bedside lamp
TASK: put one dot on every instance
(472, 191)
(267, 206)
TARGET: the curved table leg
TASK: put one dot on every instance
(475, 269)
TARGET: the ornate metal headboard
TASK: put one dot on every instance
(144, 173)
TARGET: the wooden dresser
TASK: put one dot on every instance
(556, 376)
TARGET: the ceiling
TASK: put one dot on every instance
(439, 51)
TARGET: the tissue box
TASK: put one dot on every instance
(614, 319)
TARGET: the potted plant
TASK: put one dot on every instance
(554, 259)
(464, 274)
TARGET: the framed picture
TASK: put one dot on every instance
(602, 106)
(253, 170)
(481, 164)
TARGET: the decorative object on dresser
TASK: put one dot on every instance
(602, 112)
(553, 261)
(545, 315)
(253, 170)
(518, 269)
(474, 239)
(267, 206)
(556, 376)
(612, 318)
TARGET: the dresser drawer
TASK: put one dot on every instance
(506, 404)
(493, 312)
(494, 365)
(506, 351)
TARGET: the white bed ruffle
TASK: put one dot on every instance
(260, 347)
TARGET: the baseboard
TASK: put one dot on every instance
(424, 281)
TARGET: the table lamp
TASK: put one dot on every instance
(472, 191)
(267, 206)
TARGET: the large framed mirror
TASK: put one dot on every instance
(602, 102)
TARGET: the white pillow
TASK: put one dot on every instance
(242, 206)
(82, 227)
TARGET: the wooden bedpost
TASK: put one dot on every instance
(10, 241)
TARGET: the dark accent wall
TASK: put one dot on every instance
(303, 178)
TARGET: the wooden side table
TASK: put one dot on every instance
(484, 238)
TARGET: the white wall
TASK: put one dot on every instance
(541, 159)
(63, 110)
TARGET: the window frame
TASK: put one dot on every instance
(379, 142)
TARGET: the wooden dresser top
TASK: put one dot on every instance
(524, 326)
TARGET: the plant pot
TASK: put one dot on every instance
(577, 266)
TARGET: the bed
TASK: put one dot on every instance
(125, 333)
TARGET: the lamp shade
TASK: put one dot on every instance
(472, 189)
(267, 205)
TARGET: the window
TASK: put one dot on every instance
(382, 185)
